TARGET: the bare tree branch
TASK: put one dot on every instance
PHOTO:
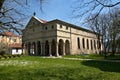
(109, 5)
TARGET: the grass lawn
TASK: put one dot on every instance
(94, 56)
(37, 68)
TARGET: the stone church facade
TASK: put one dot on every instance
(56, 37)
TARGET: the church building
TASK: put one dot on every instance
(57, 38)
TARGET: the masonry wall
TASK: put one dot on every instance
(73, 34)
(63, 34)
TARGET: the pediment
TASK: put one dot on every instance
(33, 22)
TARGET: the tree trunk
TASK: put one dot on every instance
(1, 3)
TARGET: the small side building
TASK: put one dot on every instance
(10, 43)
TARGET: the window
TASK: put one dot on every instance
(16, 50)
(46, 28)
(52, 27)
(67, 27)
(91, 45)
(60, 26)
(78, 42)
(83, 41)
(9, 39)
(87, 44)
(14, 40)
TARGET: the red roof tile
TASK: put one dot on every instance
(43, 21)
(7, 33)
(16, 45)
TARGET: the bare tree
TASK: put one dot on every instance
(99, 25)
(12, 14)
(114, 30)
(83, 8)
(107, 25)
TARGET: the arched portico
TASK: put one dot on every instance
(53, 47)
(67, 47)
(47, 48)
(33, 48)
(38, 48)
(29, 48)
(60, 47)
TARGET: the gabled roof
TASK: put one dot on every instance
(63, 22)
(7, 33)
(41, 20)
(71, 25)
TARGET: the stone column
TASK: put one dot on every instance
(50, 49)
(36, 52)
(43, 49)
(70, 48)
(57, 54)
(25, 49)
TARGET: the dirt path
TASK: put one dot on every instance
(82, 59)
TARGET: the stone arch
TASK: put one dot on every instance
(60, 47)
(53, 47)
(46, 48)
(67, 47)
(38, 48)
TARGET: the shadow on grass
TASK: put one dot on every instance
(48, 74)
(103, 65)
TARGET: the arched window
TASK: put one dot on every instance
(46, 28)
(52, 26)
(83, 41)
(78, 42)
(91, 45)
(60, 26)
(67, 27)
(87, 44)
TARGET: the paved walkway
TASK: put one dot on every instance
(82, 59)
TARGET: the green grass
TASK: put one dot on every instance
(37, 68)
(86, 56)
(94, 56)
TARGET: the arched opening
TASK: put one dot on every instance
(47, 48)
(53, 47)
(33, 48)
(67, 47)
(38, 48)
(60, 47)
(29, 48)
